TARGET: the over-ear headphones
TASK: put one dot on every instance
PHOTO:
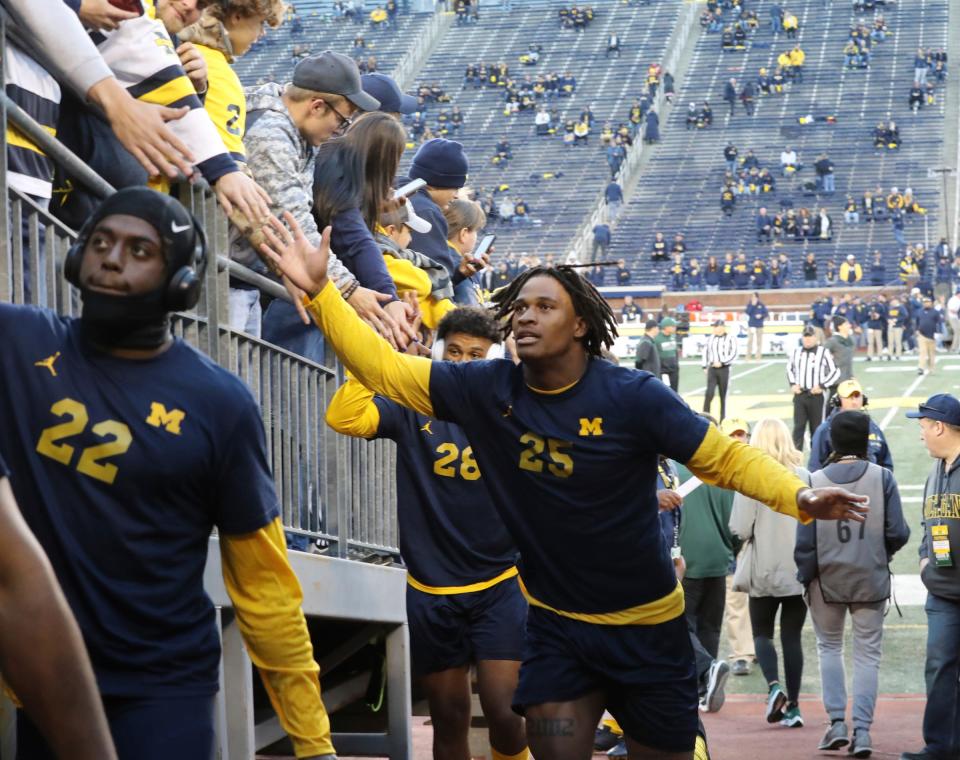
(496, 350)
(835, 401)
(184, 284)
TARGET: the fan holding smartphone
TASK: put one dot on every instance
(465, 220)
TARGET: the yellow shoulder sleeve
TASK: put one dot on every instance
(267, 599)
(400, 377)
(722, 461)
(224, 101)
(352, 412)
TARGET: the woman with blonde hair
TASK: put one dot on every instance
(768, 573)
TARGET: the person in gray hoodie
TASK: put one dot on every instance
(767, 572)
(284, 126)
(845, 568)
(939, 419)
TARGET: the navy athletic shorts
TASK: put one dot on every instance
(178, 728)
(646, 671)
(453, 630)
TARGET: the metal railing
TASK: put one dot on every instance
(335, 493)
(583, 240)
(409, 66)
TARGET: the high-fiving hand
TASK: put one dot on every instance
(303, 264)
(833, 504)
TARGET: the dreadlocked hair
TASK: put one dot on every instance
(588, 304)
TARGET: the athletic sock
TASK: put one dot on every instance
(523, 754)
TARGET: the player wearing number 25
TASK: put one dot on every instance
(126, 448)
(463, 601)
(568, 445)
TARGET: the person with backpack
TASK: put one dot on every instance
(845, 568)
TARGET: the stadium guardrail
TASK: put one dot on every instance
(583, 241)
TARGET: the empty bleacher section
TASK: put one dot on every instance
(317, 27)
(680, 189)
(561, 184)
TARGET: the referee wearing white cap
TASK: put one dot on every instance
(810, 371)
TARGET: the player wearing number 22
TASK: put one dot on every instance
(568, 447)
(127, 447)
(463, 602)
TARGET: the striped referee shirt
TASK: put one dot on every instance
(811, 367)
(719, 348)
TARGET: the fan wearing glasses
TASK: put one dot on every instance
(284, 127)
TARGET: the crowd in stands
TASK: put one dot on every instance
(929, 70)
(577, 18)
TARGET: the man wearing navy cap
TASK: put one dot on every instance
(387, 91)
(939, 419)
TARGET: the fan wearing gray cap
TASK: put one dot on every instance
(284, 126)
(939, 418)
(164, 446)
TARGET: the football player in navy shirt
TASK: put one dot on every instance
(126, 448)
(41, 651)
(463, 601)
(568, 444)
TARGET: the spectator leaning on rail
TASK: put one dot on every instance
(142, 55)
(443, 165)
(846, 568)
(939, 418)
(285, 125)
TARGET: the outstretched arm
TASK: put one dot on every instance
(722, 461)
(400, 377)
(42, 655)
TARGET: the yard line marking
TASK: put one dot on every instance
(913, 487)
(746, 372)
(911, 499)
(888, 417)
(909, 590)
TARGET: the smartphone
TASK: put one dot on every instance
(409, 189)
(485, 245)
(133, 6)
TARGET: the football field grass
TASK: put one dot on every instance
(759, 389)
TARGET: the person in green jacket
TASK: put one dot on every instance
(709, 548)
(668, 350)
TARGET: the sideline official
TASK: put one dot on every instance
(810, 371)
(719, 353)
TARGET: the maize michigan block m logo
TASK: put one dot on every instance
(591, 426)
(160, 417)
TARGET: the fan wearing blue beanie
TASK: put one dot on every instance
(443, 165)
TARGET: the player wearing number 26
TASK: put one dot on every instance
(463, 601)
(126, 448)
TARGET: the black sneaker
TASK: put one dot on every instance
(714, 697)
(740, 668)
(604, 739)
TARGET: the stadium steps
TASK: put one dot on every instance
(681, 187)
(271, 59)
(560, 204)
